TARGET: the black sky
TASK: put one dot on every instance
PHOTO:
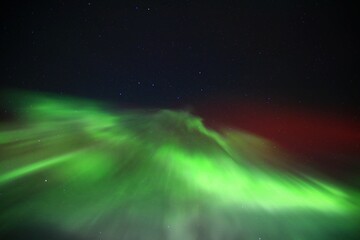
(175, 53)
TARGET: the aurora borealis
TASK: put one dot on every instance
(179, 120)
(80, 169)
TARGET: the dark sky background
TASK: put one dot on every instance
(179, 53)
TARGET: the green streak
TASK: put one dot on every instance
(32, 168)
(222, 177)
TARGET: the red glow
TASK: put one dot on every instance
(298, 130)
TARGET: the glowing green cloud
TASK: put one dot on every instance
(77, 168)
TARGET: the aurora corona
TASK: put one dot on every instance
(83, 170)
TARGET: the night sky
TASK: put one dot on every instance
(179, 53)
(179, 120)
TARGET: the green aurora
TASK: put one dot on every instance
(79, 169)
